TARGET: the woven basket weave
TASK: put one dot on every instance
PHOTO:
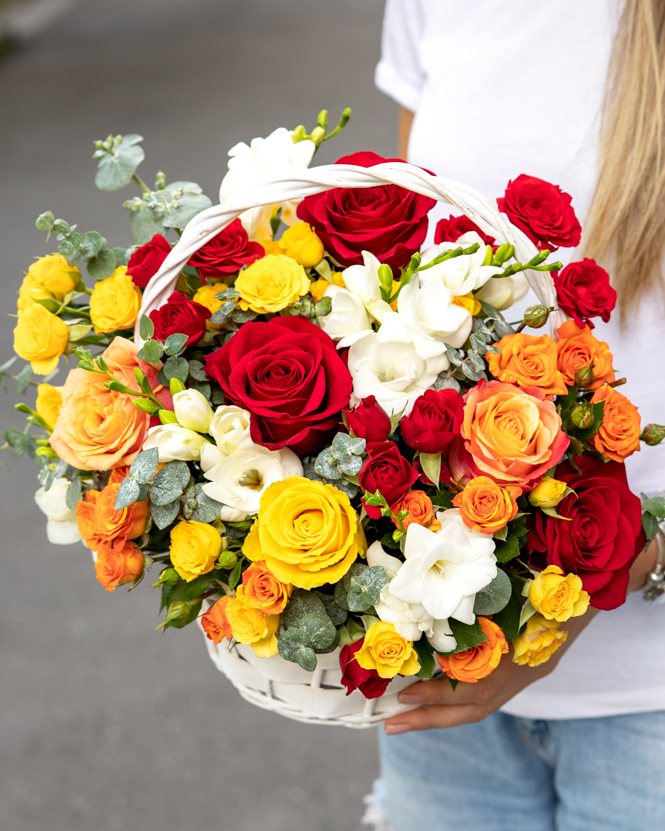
(272, 683)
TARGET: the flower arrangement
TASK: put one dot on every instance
(329, 439)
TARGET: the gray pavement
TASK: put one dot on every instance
(104, 725)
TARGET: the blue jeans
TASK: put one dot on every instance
(513, 774)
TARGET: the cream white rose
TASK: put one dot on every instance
(61, 526)
(174, 442)
(192, 410)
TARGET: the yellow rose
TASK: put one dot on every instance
(270, 246)
(40, 337)
(115, 302)
(195, 547)
(387, 652)
(468, 302)
(539, 641)
(54, 273)
(206, 297)
(548, 493)
(271, 284)
(49, 402)
(318, 288)
(306, 532)
(301, 243)
(31, 291)
(250, 627)
(557, 596)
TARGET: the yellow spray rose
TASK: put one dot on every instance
(301, 243)
(270, 246)
(54, 273)
(539, 641)
(115, 302)
(40, 337)
(468, 302)
(318, 288)
(271, 284)
(249, 626)
(548, 493)
(306, 532)
(206, 297)
(387, 652)
(31, 291)
(195, 547)
(49, 402)
(558, 596)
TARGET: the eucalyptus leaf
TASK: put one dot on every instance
(121, 255)
(116, 167)
(302, 603)
(453, 355)
(175, 368)
(357, 446)
(340, 596)
(165, 488)
(44, 222)
(319, 630)
(102, 265)
(23, 379)
(180, 470)
(184, 209)
(17, 441)
(128, 493)
(336, 614)
(164, 515)
(146, 328)
(144, 466)
(196, 371)
(73, 494)
(447, 382)
(351, 466)
(150, 352)
(493, 597)
(340, 448)
(145, 224)
(223, 314)
(431, 465)
(293, 646)
(326, 466)
(207, 510)
(91, 244)
(174, 343)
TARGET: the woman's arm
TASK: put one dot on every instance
(405, 122)
(441, 707)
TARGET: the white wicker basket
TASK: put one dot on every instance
(273, 683)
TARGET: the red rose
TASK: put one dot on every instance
(180, 316)
(288, 374)
(369, 420)
(388, 221)
(354, 677)
(602, 536)
(146, 261)
(226, 253)
(583, 290)
(387, 471)
(543, 211)
(434, 421)
(451, 229)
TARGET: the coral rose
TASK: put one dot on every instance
(98, 428)
(528, 362)
(49, 402)
(271, 284)
(513, 435)
(420, 509)
(264, 591)
(306, 532)
(248, 626)
(480, 661)
(215, 623)
(539, 641)
(486, 507)
(100, 524)
(387, 652)
(577, 349)
(40, 337)
(115, 566)
(195, 546)
(558, 596)
(619, 433)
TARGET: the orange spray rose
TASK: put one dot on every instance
(480, 661)
(100, 524)
(264, 591)
(619, 433)
(419, 506)
(528, 362)
(576, 349)
(215, 622)
(485, 506)
(115, 566)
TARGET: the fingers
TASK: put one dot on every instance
(436, 716)
(439, 691)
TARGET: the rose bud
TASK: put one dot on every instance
(584, 377)
(179, 610)
(653, 434)
(536, 316)
(582, 415)
(368, 420)
(548, 493)
(192, 410)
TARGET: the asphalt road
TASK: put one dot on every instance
(103, 724)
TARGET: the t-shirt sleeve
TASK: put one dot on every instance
(399, 73)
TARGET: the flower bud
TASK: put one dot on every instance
(386, 277)
(178, 610)
(192, 410)
(653, 434)
(582, 415)
(169, 577)
(167, 417)
(176, 386)
(584, 377)
(227, 559)
(548, 493)
(174, 442)
(536, 316)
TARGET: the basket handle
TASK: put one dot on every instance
(206, 225)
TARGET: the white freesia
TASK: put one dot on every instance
(348, 320)
(230, 428)
(444, 570)
(273, 157)
(504, 292)
(239, 480)
(460, 275)
(363, 281)
(392, 372)
(192, 410)
(61, 526)
(174, 443)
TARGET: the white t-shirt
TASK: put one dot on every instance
(499, 89)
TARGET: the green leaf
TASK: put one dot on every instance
(527, 612)
(453, 355)
(73, 493)
(340, 596)
(196, 587)
(144, 466)
(146, 327)
(44, 222)
(174, 368)
(357, 446)
(364, 589)
(17, 441)
(350, 466)
(649, 521)
(23, 379)
(341, 447)
(236, 575)
(655, 506)
(197, 372)
(165, 488)
(293, 646)
(91, 244)
(446, 382)
(174, 343)
(431, 465)
(223, 314)
(508, 550)
(302, 603)
(121, 255)
(102, 265)
(494, 597)
(467, 635)
(508, 617)
(150, 352)
(319, 630)
(207, 510)
(164, 515)
(117, 167)
(326, 466)
(425, 658)
(128, 493)
(189, 203)
(336, 614)
(180, 470)
(145, 224)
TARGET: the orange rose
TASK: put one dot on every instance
(527, 361)
(513, 435)
(486, 507)
(97, 428)
(115, 566)
(480, 661)
(577, 348)
(619, 434)
(100, 524)
(215, 622)
(264, 591)
(419, 506)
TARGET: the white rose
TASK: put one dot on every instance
(239, 480)
(273, 157)
(460, 275)
(230, 428)
(392, 372)
(363, 281)
(504, 292)
(348, 320)
(174, 442)
(61, 527)
(192, 410)
(444, 570)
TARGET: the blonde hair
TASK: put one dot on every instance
(625, 228)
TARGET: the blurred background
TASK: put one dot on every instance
(105, 725)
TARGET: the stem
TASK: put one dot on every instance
(139, 181)
(618, 383)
